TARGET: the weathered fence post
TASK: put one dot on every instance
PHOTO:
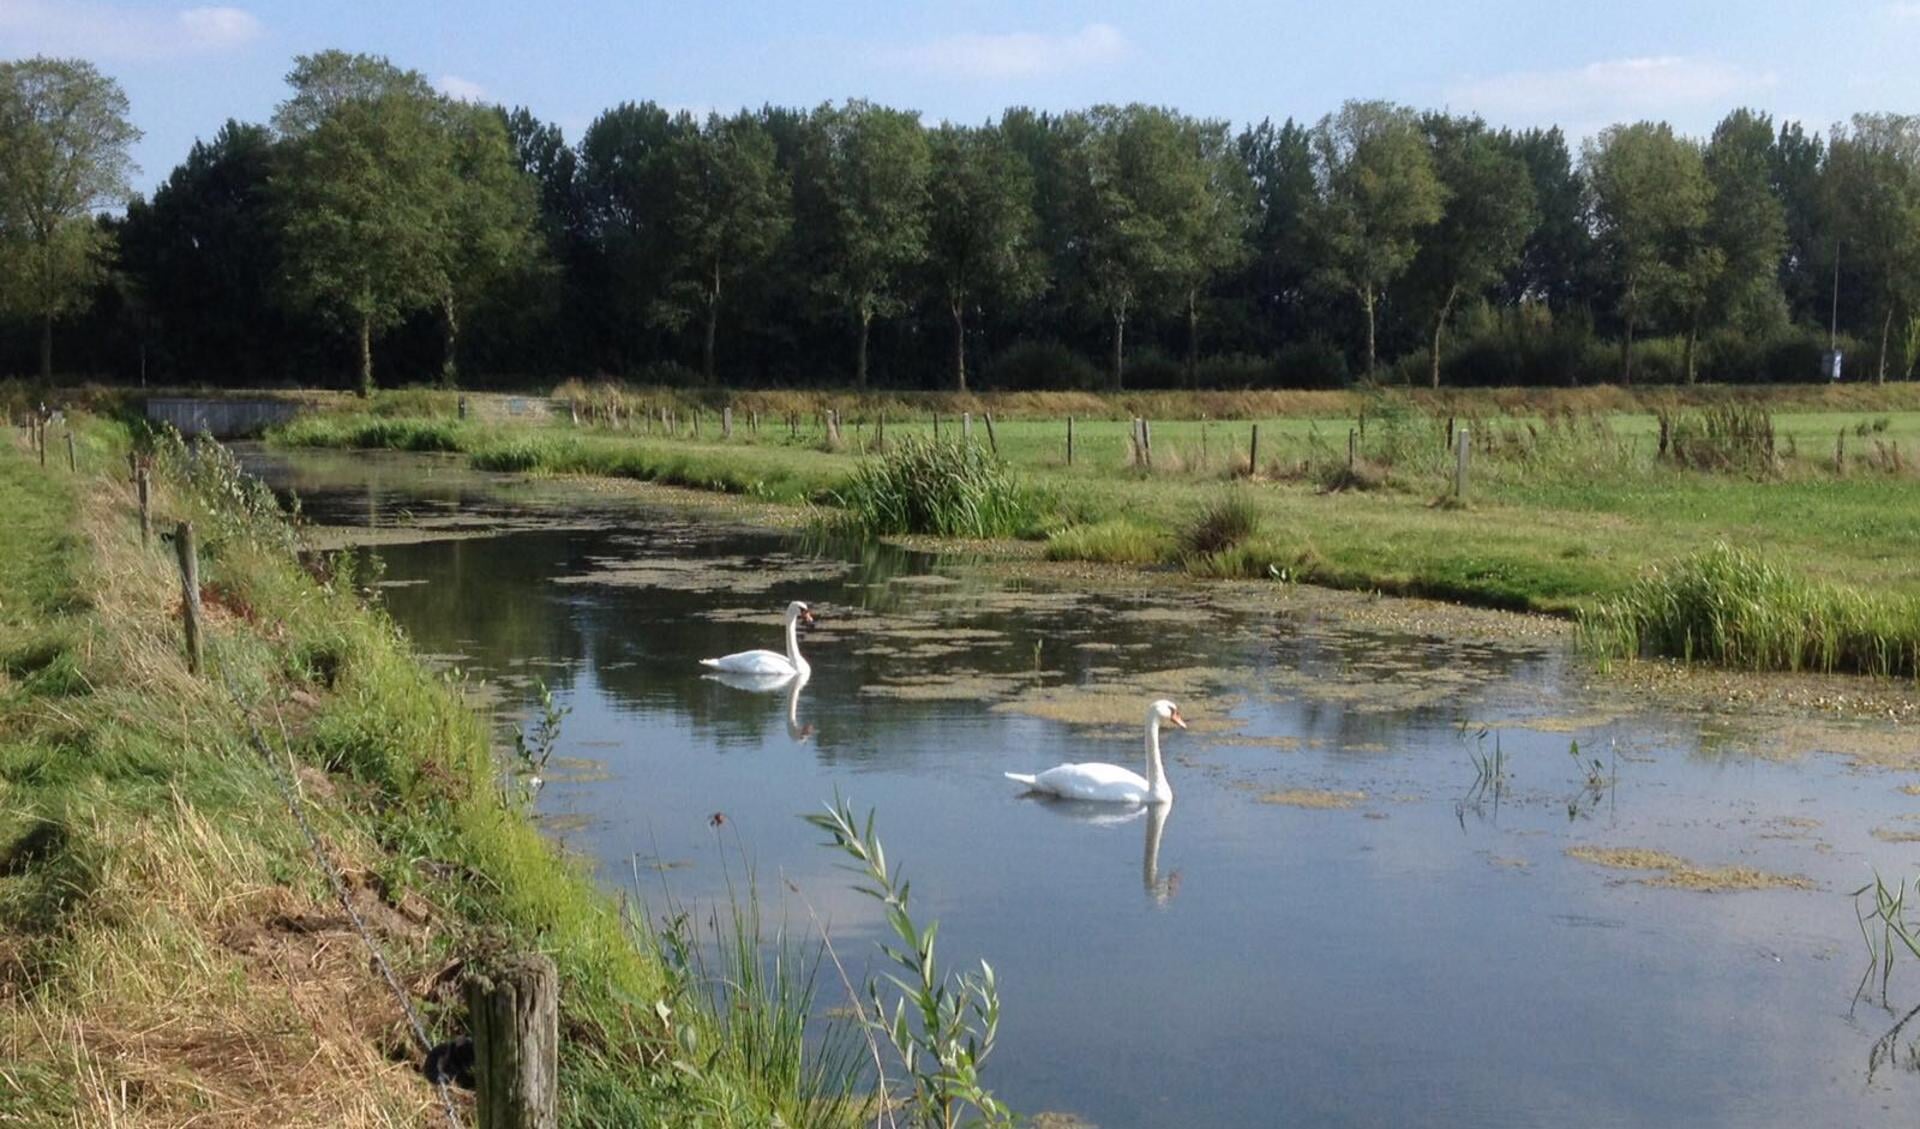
(993, 444)
(1069, 440)
(1449, 432)
(726, 422)
(514, 1015)
(1461, 445)
(183, 543)
(133, 466)
(463, 407)
(1253, 452)
(936, 423)
(880, 431)
(144, 487)
(753, 422)
(1352, 447)
(1203, 442)
(73, 461)
(40, 442)
(966, 427)
(1146, 440)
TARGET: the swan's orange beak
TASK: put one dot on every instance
(1178, 720)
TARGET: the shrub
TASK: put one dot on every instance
(1236, 371)
(1041, 365)
(1151, 368)
(1314, 363)
(1224, 522)
(939, 486)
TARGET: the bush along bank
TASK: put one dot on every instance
(169, 948)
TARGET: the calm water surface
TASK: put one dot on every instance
(1413, 958)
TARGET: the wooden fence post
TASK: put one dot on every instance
(73, 461)
(573, 411)
(992, 443)
(1069, 440)
(143, 486)
(183, 544)
(966, 427)
(1146, 440)
(753, 422)
(726, 422)
(514, 1015)
(1351, 444)
(40, 443)
(936, 423)
(133, 466)
(1253, 453)
(1461, 445)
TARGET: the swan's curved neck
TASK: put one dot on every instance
(793, 643)
(1158, 790)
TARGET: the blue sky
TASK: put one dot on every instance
(187, 68)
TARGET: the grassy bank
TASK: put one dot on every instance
(169, 951)
(1567, 506)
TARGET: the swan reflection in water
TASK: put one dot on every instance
(770, 683)
(1159, 888)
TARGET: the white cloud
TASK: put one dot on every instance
(1613, 90)
(112, 32)
(460, 89)
(1014, 55)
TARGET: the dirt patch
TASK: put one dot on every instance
(1897, 834)
(1317, 799)
(1678, 873)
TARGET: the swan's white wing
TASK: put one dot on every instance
(1106, 783)
(753, 683)
(751, 662)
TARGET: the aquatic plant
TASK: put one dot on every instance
(1737, 608)
(945, 487)
(941, 1026)
(533, 748)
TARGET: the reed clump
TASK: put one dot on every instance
(1226, 521)
(1738, 609)
(942, 487)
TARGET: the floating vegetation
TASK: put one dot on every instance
(1313, 798)
(1678, 873)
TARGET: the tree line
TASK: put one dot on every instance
(376, 230)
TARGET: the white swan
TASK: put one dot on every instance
(768, 663)
(1109, 783)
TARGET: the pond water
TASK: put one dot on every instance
(1333, 923)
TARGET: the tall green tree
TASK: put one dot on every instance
(64, 137)
(1484, 227)
(1279, 163)
(1873, 175)
(1556, 265)
(364, 192)
(1213, 224)
(1137, 182)
(626, 185)
(1797, 174)
(1377, 195)
(1746, 224)
(729, 209)
(871, 165)
(492, 217)
(206, 256)
(982, 230)
(1650, 197)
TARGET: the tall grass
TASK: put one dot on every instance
(1226, 521)
(1738, 609)
(943, 487)
(377, 432)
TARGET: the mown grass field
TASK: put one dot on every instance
(170, 952)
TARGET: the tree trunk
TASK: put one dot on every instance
(1119, 348)
(1366, 303)
(1626, 355)
(1886, 326)
(860, 354)
(713, 325)
(1193, 336)
(959, 344)
(46, 348)
(1439, 326)
(366, 355)
(1693, 334)
(449, 361)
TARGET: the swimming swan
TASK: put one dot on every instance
(1109, 783)
(768, 663)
